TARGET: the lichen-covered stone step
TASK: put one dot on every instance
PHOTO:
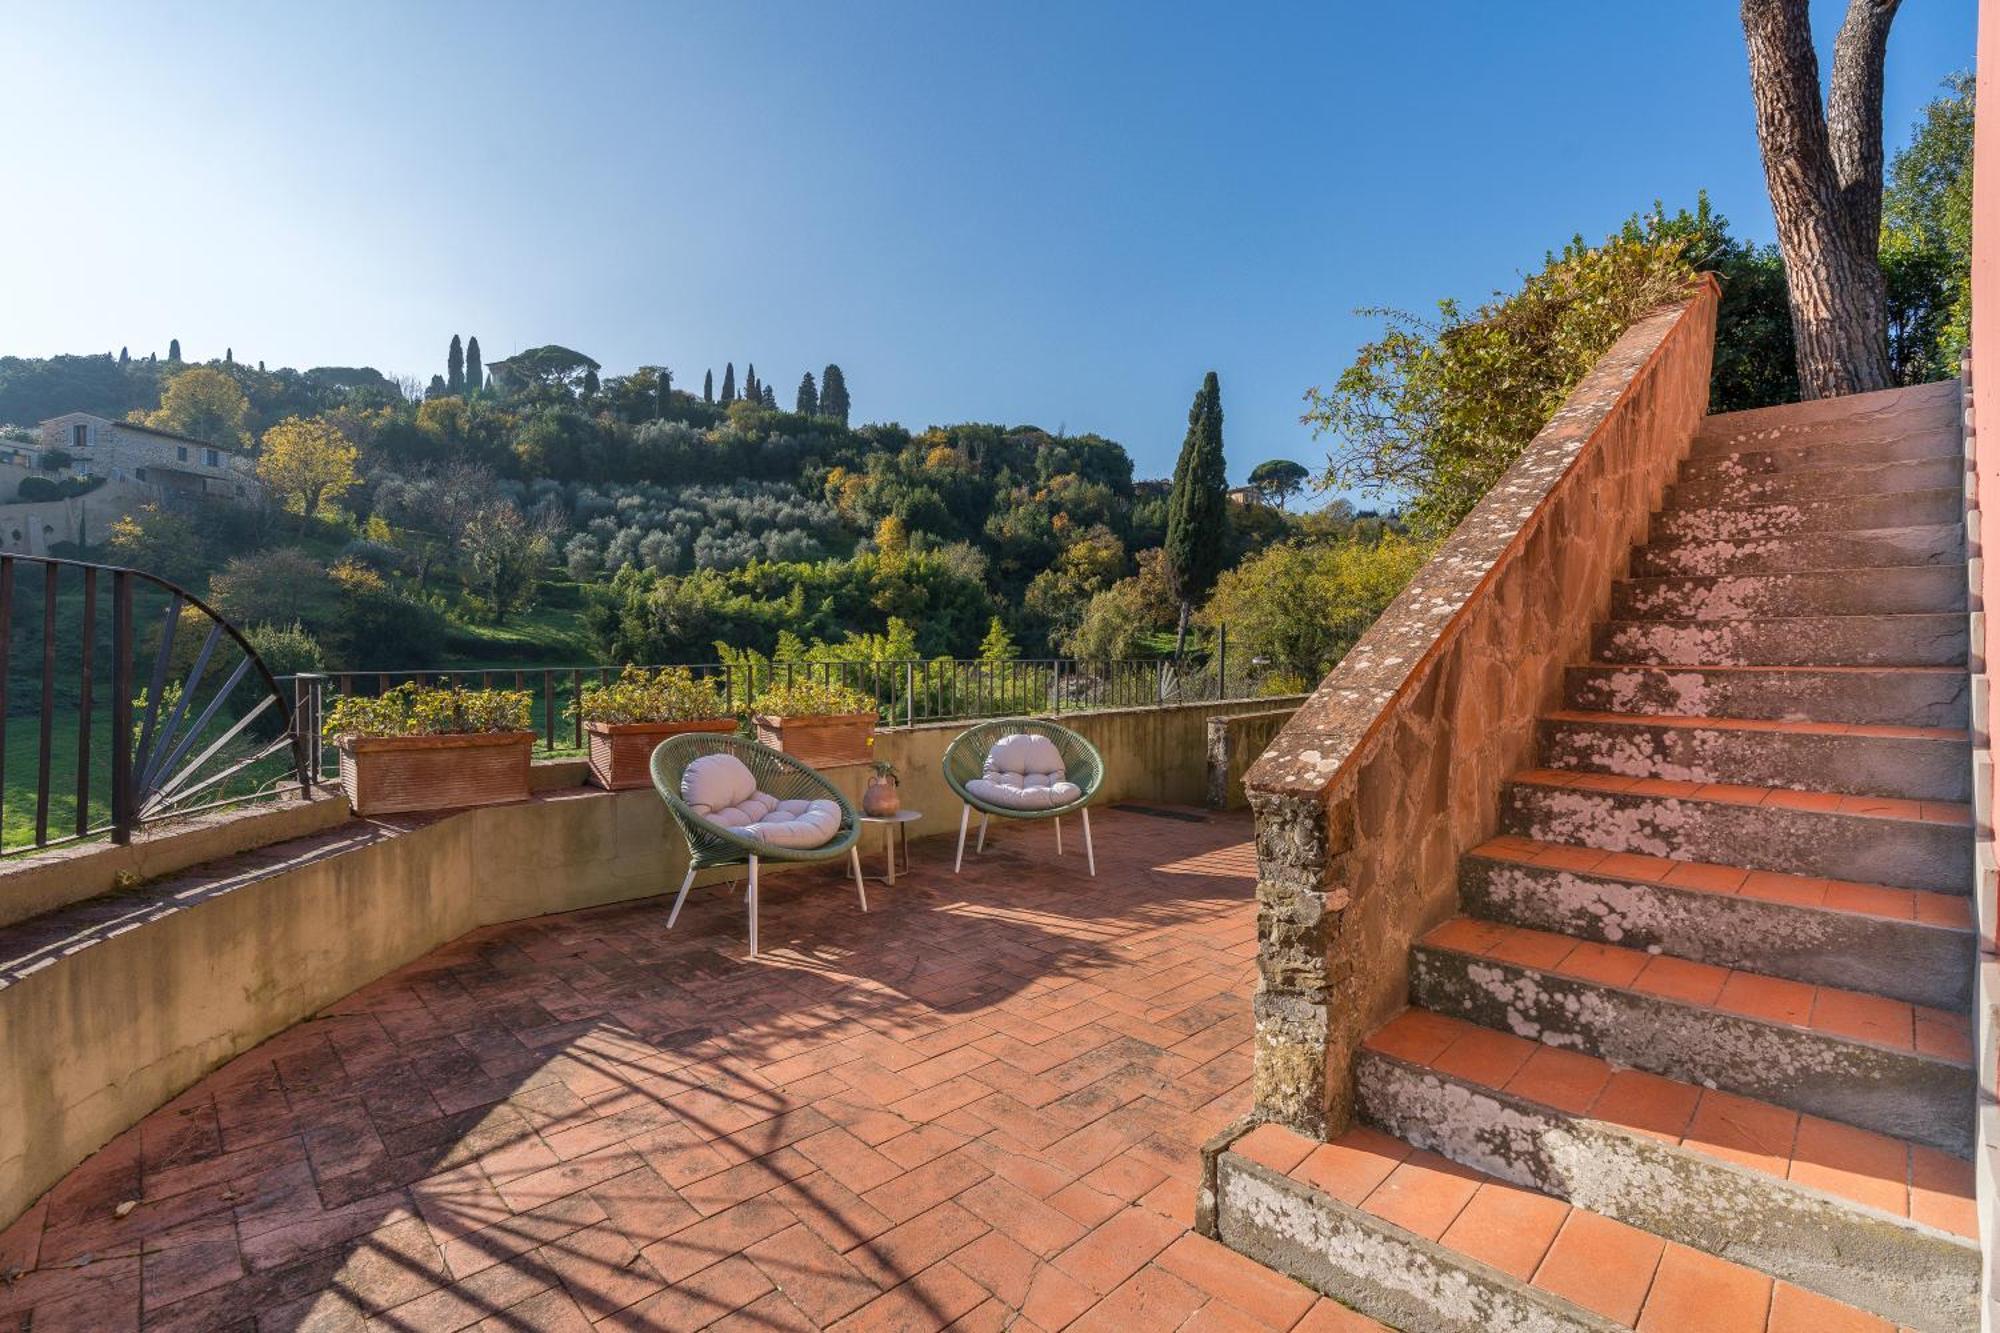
(1866, 839)
(1876, 1222)
(1734, 523)
(1864, 1060)
(1832, 592)
(1928, 412)
(1895, 696)
(1417, 1241)
(1924, 763)
(1909, 639)
(1724, 481)
(1901, 943)
(1923, 544)
(1942, 442)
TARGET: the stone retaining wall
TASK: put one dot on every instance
(1392, 769)
(1233, 745)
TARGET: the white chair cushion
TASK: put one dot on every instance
(1024, 753)
(1024, 771)
(721, 789)
(795, 823)
(716, 782)
(1025, 791)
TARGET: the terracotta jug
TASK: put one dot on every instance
(882, 797)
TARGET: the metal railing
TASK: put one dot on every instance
(125, 699)
(141, 703)
(906, 691)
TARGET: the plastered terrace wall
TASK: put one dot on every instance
(1393, 767)
(110, 1007)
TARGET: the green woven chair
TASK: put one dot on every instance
(1023, 795)
(716, 844)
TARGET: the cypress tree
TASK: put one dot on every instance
(808, 396)
(260, 367)
(229, 356)
(173, 349)
(708, 386)
(589, 383)
(1197, 513)
(454, 367)
(833, 394)
(124, 357)
(665, 386)
(437, 388)
(770, 397)
(475, 372)
(728, 383)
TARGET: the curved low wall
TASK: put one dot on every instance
(110, 1007)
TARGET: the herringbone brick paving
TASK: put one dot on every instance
(978, 1106)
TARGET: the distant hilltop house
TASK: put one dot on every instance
(122, 464)
(126, 451)
(1246, 495)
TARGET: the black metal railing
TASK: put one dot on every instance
(906, 691)
(125, 699)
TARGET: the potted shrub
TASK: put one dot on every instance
(432, 747)
(817, 721)
(627, 718)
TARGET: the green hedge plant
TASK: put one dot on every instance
(811, 698)
(673, 694)
(431, 710)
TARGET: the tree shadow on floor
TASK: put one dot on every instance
(590, 1111)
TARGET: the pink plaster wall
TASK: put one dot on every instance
(1986, 290)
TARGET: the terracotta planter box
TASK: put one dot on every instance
(386, 775)
(823, 741)
(621, 753)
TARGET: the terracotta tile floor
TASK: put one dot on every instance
(978, 1106)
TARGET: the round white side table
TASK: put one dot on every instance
(894, 827)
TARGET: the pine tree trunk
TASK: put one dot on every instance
(1824, 173)
(1180, 635)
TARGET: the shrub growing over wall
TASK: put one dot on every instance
(1438, 409)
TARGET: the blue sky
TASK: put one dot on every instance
(1050, 213)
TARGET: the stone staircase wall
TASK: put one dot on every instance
(1394, 768)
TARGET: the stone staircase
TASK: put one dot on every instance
(1696, 1055)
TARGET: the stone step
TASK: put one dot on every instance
(1864, 1060)
(1872, 1221)
(1837, 424)
(1922, 763)
(1773, 457)
(1876, 590)
(1902, 943)
(1723, 481)
(1912, 639)
(1417, 1241)
(1895, 696)
(1925, 544)
(1866, 839)
(1736, 523)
